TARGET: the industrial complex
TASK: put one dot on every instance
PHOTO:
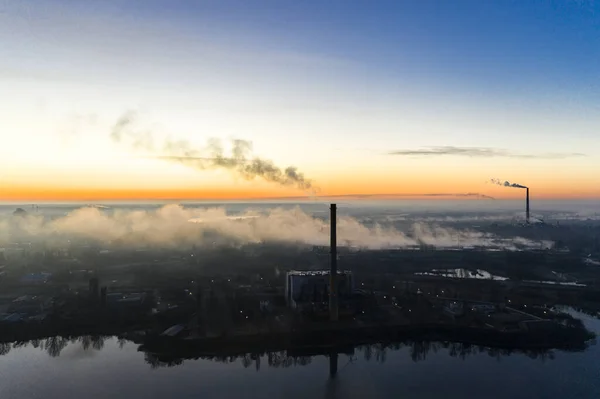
(169, 302)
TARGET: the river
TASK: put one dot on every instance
(112, 368)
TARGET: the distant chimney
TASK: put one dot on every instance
(94, 285)
(333, 294)
(527, 205)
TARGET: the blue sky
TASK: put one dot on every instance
(360, 78)
(512, 43)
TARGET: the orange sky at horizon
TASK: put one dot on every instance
(48, 193)
(130, 182)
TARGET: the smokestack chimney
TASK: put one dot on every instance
(94, 284)
(527, 205)
(333, 295)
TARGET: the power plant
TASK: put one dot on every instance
(516, 185)
(218, 309)
(333, 303)
(527, 205)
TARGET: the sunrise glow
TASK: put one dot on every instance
(375, 115)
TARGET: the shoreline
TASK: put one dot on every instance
(328, 336)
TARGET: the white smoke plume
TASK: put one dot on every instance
(455, 219)
(174, 226)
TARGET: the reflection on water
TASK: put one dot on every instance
(273, 359)
(485, 275)
(53, 346)
(102, 366)
(378, 353)
(571, 283)
(462, 273)
(417, 351)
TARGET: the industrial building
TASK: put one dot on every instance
(305, 287)
(36, 278)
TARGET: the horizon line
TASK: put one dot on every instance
(315, 199)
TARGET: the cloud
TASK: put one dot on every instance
(481, 152)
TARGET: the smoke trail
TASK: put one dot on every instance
(507, 183)
(210, 157)
(392, 195)
(475, 195)
(171, 227)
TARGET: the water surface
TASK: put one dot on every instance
(116, 369)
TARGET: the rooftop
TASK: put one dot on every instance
(315, 272)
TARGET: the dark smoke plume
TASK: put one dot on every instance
(507, 183)
(210, 157)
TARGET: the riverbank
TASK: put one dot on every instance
(570, 339)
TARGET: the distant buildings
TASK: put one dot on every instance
(132, 299)
(35, 278)
(27, 308)
(20, 212)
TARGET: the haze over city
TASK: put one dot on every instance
(299, 199)
(409, 97)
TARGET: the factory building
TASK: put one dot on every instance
(306, 287)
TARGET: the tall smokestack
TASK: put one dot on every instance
(333, 299)
(527, 205)
(515, 185)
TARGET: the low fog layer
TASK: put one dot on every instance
(174, 226)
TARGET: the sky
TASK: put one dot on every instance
(362, 97)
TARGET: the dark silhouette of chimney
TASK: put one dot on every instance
(94, 286)
(527, 205)
(333, 294)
